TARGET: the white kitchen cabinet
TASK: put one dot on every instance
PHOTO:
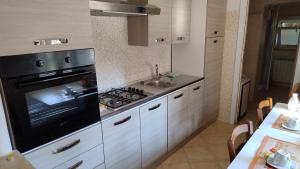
(178, 127)
(181, 21)
(87, 160)
(122, 140)
(152, 29)
(212, 71)
(66, 148)
(24, 23)
(195, 106)
(216, 17)
(154, 130)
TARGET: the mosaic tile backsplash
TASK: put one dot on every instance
(117, 63)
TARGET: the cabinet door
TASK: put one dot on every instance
(154, 131)
(177, 117)
(216, 16)
(122, 141)
(212, 71)
(181, 21)
(195, 106)
(160, 25)
(23, 22)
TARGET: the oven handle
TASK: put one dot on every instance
(55, 78)
(66, 147)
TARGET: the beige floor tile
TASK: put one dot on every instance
(176, 166)
(204, 165)
(220, 152)
(224, 164)
(215, 140)
(199, 154)
(196, 141)
(178, 157)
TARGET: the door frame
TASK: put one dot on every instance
(239, 55)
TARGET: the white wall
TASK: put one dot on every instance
(5, 146)
(297, 70)
(189, 58)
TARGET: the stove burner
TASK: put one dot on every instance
(120, 97)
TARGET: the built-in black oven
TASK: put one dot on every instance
(48, 95)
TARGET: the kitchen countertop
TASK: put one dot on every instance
(181, 81)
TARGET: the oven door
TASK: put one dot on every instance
(44, 109)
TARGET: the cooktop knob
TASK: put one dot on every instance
(40, 63)
(68, 59)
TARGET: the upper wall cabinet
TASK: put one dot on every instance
(181, 21)
(39, 26)
(216, 15)
(152, 29)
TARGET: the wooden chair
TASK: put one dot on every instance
(245, 128)
(268, 103)
(295, 89)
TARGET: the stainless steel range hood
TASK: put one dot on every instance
(122, 8)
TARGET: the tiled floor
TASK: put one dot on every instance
(208, 150)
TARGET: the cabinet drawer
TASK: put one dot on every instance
(87, 160)
(156, 113)
(122, 142)
(177, 101)
(65, 149)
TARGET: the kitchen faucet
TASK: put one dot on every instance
(157, 76)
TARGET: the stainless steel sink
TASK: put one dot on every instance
(159, 84)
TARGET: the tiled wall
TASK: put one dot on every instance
(119, 64)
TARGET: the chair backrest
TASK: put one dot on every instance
(268, 103)
(295, 89)
(246, 127)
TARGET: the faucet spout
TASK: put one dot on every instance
(156, 72)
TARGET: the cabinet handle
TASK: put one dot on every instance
(122, 121)
(178, 96)
(155, 107)
(158, 40)
(215, 41)
(76, 165)
(180, 38)
(66, 147)
(197, 88)
(216, 32)
(50, 41)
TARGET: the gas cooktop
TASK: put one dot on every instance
(117, 98)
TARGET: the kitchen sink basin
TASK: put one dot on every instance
(160, 84)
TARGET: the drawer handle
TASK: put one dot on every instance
(78, 164)
(67, 147)
(197, 88)
(181, 38)
(178, 96)
(215, 41)
(122, 121)
(158, 40)
(216, 32)
(155, 107)
(50, 41)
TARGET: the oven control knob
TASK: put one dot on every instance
(40, 63)
(68, 59)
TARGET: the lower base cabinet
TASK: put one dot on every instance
(122, 140)
(154, 131)
(90, 159)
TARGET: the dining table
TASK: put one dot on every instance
(269, 135)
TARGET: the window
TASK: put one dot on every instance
(288, 33)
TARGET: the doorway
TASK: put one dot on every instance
(271, 49)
